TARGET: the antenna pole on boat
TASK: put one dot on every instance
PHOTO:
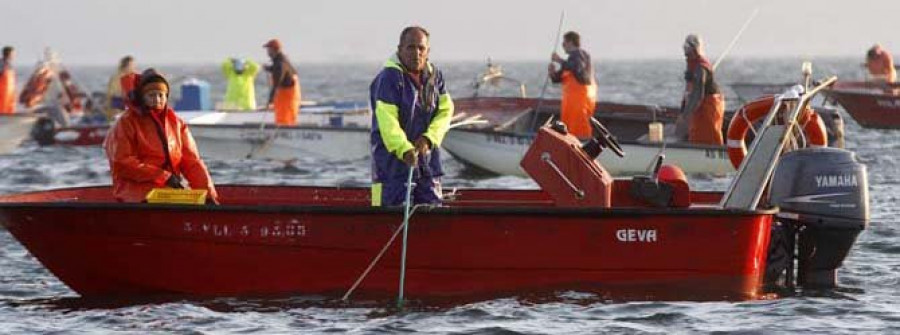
(406, 208)
(736, 37)
(562, 17)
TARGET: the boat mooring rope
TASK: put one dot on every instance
(407, 213)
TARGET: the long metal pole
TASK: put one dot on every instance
(735, 39)
(406, 208)
(562, 17)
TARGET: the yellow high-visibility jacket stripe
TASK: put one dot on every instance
(392, 134)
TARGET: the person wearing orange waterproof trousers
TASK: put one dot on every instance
(703, 105)
(284, 97)
(7, 82)
(579, 89)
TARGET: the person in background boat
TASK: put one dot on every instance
(284, 97)
(138, 161)
(115, 98)
(703, 105)
(241, 74)
(880, 65)
(579, 89)
(7, 81)
(412, 114)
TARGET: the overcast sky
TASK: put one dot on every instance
(205, 31)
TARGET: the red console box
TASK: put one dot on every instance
(576, 180)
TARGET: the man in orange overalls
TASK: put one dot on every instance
(7, 82)
(703, 105)
(579, 89)
(880, 65)
(284, 96)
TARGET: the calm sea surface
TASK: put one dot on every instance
(33, 301)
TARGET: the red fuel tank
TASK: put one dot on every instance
(562, 169)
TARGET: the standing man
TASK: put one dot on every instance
(579, 89)
(412, 115)
(880, 65)
(702, 106)
(241, 74)
(7, 82)
(284, 97)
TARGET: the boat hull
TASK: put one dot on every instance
(870, 109)
(501, 153)
(459, 252)
(234, 142)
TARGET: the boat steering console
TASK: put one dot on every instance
(602, 138)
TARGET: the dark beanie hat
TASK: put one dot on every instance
(151, 78)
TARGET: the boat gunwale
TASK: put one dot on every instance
(678, 145)
(544, 210)
(273, 127)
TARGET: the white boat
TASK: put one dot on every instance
(501, 152)
(14, 129)
(499, 145)
(331, 133)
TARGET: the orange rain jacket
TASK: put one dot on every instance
(7, 89)
(137, 159)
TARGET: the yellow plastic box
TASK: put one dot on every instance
(176, 196)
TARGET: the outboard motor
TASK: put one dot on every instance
(44, 131)
(823, 198)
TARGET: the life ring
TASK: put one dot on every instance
(812, 125)
(37, 85)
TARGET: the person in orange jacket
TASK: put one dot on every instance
(138, 160)
(880, 65)
(7, 82)
(579, 89)
(703, 105)
(284, 97)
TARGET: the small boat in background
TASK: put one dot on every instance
(747, 92)
(499, 144)
(872, 105)
(230, 135)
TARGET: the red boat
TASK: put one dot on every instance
(642, 238)
(871, 105)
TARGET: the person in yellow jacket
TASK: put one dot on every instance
(241, 74)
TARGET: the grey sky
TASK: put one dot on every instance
(204, 31)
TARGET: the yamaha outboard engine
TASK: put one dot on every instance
(823, 198)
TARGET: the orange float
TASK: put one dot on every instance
(813, 127)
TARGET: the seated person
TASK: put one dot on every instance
(138, 160)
